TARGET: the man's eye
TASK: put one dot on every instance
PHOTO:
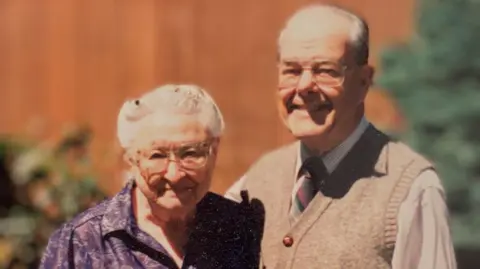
(292, 71)
(327, 71)
(192, 154)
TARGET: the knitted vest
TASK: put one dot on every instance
(352, 223)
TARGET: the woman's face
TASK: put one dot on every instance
(173, 160)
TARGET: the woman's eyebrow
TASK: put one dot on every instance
(159, 148)
(182, 146)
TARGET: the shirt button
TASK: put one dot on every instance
(287, 241)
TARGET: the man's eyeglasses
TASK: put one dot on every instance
(323, 73)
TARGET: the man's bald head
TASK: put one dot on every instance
(321, 19)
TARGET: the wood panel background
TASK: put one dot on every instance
(64, 62)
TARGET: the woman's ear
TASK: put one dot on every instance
(129, 159)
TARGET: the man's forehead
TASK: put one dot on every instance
(330, 47)
(311, 38)
(317, 16)
(315, 24)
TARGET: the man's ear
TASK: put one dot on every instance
(367, 74)
(215, 144)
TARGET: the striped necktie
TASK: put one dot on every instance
(314, 173)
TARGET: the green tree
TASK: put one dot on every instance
(435, 78)
(41, 187)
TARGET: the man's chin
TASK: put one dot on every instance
(306, 134)
(307, 129)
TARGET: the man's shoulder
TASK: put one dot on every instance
(401, 157)
(399, 149)
(396, 148)
(278, 153)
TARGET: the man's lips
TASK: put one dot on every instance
(310, 107)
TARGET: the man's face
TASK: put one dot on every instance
(321, 88)
(173, 159)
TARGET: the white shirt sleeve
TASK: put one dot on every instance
(233, 193)
(424, 239)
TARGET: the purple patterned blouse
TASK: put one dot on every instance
(107, 236)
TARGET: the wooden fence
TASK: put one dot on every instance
(64, 62)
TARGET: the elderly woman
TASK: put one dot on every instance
(165, 217)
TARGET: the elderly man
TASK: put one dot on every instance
(164, 217)
(345, 195)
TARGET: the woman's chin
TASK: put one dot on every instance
(170, 201)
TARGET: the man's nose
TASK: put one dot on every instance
(306, 82)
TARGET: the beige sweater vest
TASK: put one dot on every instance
(353, 223)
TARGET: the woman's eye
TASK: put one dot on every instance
(158, 155)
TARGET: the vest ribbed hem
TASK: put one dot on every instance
(399, 193)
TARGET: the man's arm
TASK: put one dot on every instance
(233, 193)
(424, 239)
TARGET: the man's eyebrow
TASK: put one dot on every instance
(290, 63)
(293, 63)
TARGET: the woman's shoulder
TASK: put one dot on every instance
(223, 234)
(217, 207)
(212, 198)
(220, 210)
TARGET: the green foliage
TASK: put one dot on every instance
(45, 186)
(435, 78)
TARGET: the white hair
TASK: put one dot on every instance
(359, 35)
(166, 100)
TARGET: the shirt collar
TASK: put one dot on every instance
(119, 213)
(333, 157)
